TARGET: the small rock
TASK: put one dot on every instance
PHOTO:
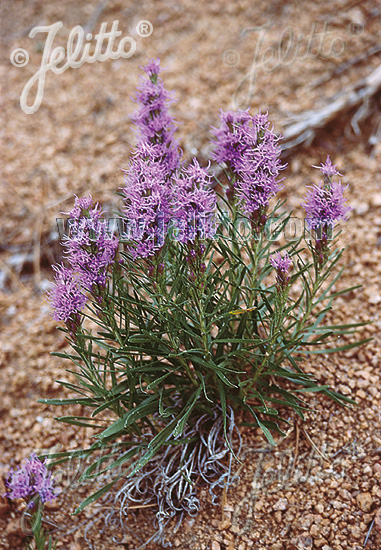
(315, 530)
(375, 299)
(377, 520)
(228, 508)
(356, 16)
(52, 506)
(376, 199)
(304, 542)
(363, 373)
(337, 505)
(215, 522)
(364, 501)
(362, 208)
(216, 545)
(306, 521)
(281, 504)
(14, 528)
(224, 525)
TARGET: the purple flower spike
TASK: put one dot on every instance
(282, 265)
(67, 297)
(233, 137)
(325, 205)
(147, 197)
(251, 151)
(31, 479)
(155, 124)
(194, 204)
(89, 249)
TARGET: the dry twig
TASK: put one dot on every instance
(303, 127)
(346, 65)
(315, 447)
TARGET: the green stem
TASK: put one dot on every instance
(163, 292)
(275, 328)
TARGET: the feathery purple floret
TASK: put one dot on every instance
(282, 265)
(147, 197)
(89, 249)
(156, 125)
(251, 150)
(33, 478)
(328, 169)
(194, 204)
(232, 138)
(67, 297)
(152, 68)
(325, 203)
(81, 206)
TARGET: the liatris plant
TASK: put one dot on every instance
(33, 483)
(183, 329)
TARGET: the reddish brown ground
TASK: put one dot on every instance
(321, 487)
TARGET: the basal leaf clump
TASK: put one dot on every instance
(183, 328)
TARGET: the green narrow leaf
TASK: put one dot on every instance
(266, 431)
(94, 496)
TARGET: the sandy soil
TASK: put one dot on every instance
(320, 488)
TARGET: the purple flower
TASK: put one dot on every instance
(152, 68)
(328, 169)
(147, 197)
(155, 124)
(67, 297)
(325, 205)
(233, 137)
(282, 264)
(250, 148)
(194, 204)
(33, 478)
(89, 249)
